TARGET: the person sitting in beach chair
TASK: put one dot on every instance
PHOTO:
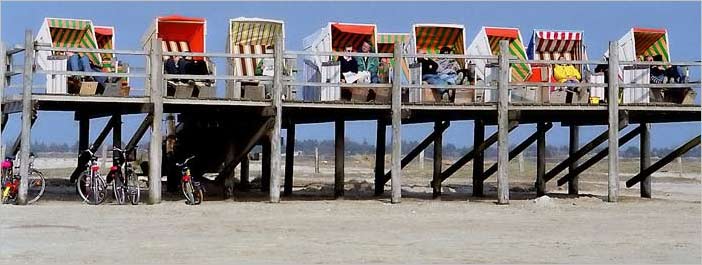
(445, 71)
(661, 74)
(265, 66)
(350, 70)
(81, 63)
(567, 73)
(368, 64)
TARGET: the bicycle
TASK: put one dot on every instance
(11, 181)
(91, 186)
(191, 189)
(125, 183)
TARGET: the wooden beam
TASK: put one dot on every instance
(412, 154)
(15, 148)
(645, 161)
(579, 154)
(540, 184)
(258, 136)
(396, 110)
(503, 124)
(380, 157)
(244, 181)
(471, 154)
(3, 84)
(692, 143)
(613, 110)
(116, 136)
(156, 98)
(289, 159)
(479, 157)
(519, 148)
(139, 133)
(4, 117)
(573, 145)
(597, 157)
(266, 164)
(277, 119)
(438, 157)
(339, 155)
(27, 107)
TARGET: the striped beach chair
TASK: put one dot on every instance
(334, 37)
(69, 33)
(552, 44)
(487, 42)
(431, 38)
(249, 36)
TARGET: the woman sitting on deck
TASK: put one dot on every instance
(567, 73)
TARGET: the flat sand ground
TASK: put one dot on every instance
(312, 227)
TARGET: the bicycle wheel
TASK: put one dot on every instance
(83, 186)
(197, 195)
(5, 195)
(92, 191)
(37, 184)
(118, 188)
(133, 188)
(187, 188)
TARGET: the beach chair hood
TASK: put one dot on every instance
(70, 33)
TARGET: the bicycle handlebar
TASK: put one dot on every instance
(185, 162)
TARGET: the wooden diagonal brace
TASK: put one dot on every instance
(470, 155)
(599, 156)
(664, 161)
(419, 148)
(580, 153)
(517, 150)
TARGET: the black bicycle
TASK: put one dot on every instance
(125, 183)
(191, 189)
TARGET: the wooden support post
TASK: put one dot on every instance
(83, 144)
(289, 159)
(438, 157)
(316, 160)
(156, 98)
(479, 158)
(380, 157)
(540, 159)
(278, 119)
(520, 161)
(170, 133)
(266, 164)
(417, 150)
(664, 161)
(244, 181)
(502, 125)
(645, 152)
(396, 110)
(27, 74)
(3, 116)
(15, 148)
(597, 157)
(573, 146)
(339, 158)
(116, 136)
(613, 108)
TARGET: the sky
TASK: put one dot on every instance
(601, 22)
